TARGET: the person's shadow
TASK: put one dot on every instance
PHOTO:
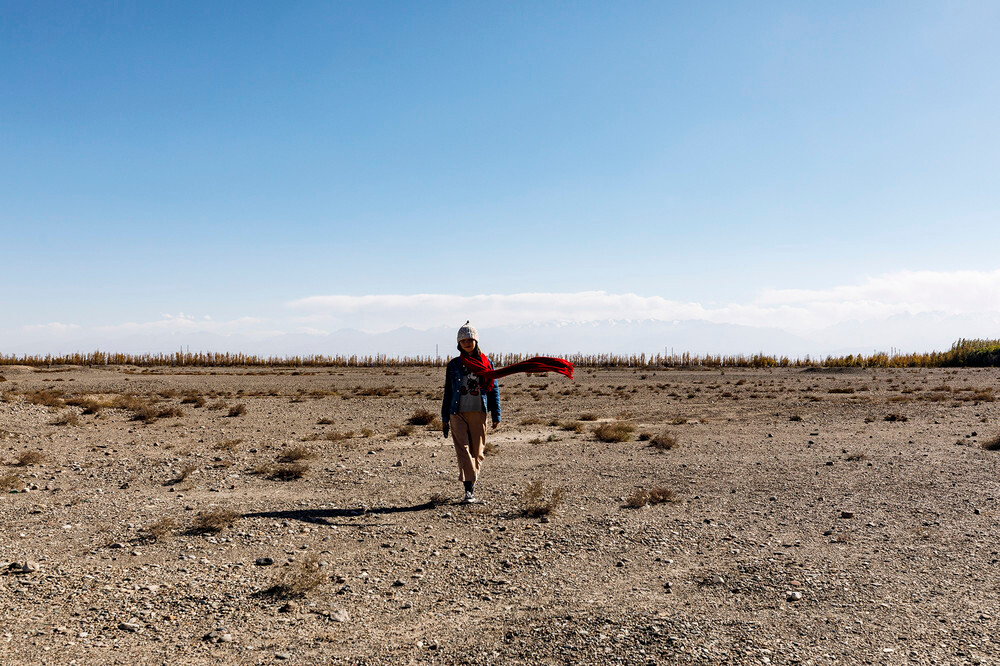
(323, 516)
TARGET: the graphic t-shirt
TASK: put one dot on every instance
(470, 399)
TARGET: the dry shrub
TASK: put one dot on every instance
(534, 502)
(229, 445)
(892, 418)
(238, 410)
(9, 482)
(678, 420)
(421, 417)
(30, 458)
(795, 417)
(67, 419)
(127, 401)
(532, 420)
(992, 444)
(490, 449)
(326, 421)
(89, 405)
(617, 431)
(217, 405)
(438, 499)
(298, 579)
(856, 457)
(195, 400)
(658, 495)
(847, 389)
(380, 391)
(182, 475)
(572, 426)
(435, 424)
(663, 441)
(283, 471)
(588, 416)
(50, 398)
(295, 454)
(148, 413)
(162, 528)
(214, 520)
(404, 431)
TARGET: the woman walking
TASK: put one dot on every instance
(467, 401)
(471, 392)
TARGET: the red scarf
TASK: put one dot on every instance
(481, 366)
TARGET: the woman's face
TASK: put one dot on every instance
(468, 345)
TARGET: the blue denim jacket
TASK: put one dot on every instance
(452, 392)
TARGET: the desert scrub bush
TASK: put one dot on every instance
(214, 521)
(663, 441)
(228, 445)
(795, 417)
(366, 432)
(617, 431)
(534, 502)
(490, 449)
(183, 474)
(571, 426)
(10, 482)
(49, 398)
(678, 420)
(892, 418)
(160, 529)
(421, 417)
(196, 400)
(148, 413)
(237, 410)
(282, 471)
(642, 497)
(296, 453)
(298, 579)
(27, 458)
(66, 419)
(531, 420)
(217, 405)
(326, 421)
(588, 416)
(435, 424)
(404, 431)
(992, 444)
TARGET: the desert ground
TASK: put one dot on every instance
(257, 516)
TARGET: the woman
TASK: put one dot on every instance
(467, 400)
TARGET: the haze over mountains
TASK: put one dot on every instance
(922, 332)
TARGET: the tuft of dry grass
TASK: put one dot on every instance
(182, 475)
(531, 420)
(326, 421)
(196, 400)
(992, 444)
(30, 458)
(283, 471)
(404, 431)
(9, 482)
(892, 418)
(148, 413)
(46, 398)
(664, 441)
(617, 431)
(490, 449)
(795, 417)
(66, 419)
(571, 426)
(296, 453)
(161, 528)
(534, 502)
(237, 410)
(228, 445)
(217, 405)
(421, 417)
(588, 416)
(298, 579)
(214, 521)
(437, 499)
(658, 495)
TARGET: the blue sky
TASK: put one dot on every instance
(228, 160)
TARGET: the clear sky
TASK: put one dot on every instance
(243, 161)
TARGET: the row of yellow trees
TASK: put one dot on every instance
(963, 353)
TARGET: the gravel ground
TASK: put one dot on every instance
(818, 517)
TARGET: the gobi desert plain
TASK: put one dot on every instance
(629, 516)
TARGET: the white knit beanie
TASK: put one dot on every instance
(468, 332)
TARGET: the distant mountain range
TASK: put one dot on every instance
(924, 332)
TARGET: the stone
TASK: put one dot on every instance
(793, 596)
(131, 626)
(28, 566)
(264, 561)
(846, 514)
(289, 607)
(339, 615)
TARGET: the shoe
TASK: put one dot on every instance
(469, 498)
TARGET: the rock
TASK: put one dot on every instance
(131, 626)
(339, 615)
(217, 636)
(718, 580)
(846, 514)
(264, 561)
(283, 655)
(793, 596)
(117, 545)
(28, 566)
(289, 607)
(398, 463)
(399, 582)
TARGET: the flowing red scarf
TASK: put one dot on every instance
(481, 366)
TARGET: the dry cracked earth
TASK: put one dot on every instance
(258, 516)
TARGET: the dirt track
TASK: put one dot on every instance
(789, 483)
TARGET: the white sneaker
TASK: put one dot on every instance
(469, 498)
